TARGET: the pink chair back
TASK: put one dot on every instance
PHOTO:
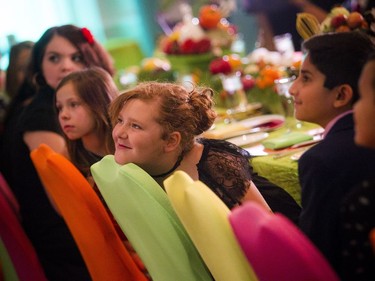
(17, 244)
(276, 248)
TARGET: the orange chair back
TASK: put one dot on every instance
(103, 251)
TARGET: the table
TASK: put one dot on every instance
(282, 171)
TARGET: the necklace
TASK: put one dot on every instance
(178, 162)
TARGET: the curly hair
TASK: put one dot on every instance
(188, 112)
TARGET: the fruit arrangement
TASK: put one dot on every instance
(338, 20)
(307, 25)
(199, 35)
(341, 20)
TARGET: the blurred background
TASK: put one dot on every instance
(110, 21)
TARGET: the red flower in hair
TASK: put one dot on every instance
(88, 35)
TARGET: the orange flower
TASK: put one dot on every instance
(270, 72)
(209, 16)
(234, 61)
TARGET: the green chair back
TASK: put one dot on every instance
(124, 52)
(143, 211)
(205, 218)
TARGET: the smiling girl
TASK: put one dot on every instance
(158, 127)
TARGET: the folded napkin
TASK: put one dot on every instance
(286, 140)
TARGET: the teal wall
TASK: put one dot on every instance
(107, 19)
(131, 19)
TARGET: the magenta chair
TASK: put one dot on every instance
(17, 244)
(276, 249)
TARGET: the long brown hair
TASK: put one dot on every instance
(93, 53)
(96, 89)
(16, 66)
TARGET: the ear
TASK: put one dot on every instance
(173, 142)
(344, 95)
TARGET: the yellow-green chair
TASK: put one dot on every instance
(143, 211)
(124, 52)
(205, 218)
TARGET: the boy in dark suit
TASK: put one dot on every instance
(324, 93)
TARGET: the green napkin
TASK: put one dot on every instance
(286, 140)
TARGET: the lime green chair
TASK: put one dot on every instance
(124, 52)
(143, 211)
(205, 218)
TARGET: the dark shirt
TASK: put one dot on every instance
(357, 221)
(225, 168)
(47, 231)
(328, 172)
(13, 112)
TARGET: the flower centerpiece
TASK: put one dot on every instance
(255, 74)
(227, 70)
(155, 69)
(150, 69)
(195, 40)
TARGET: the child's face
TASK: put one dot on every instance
(76, 119)
(312, 101)
(364, 109)
(138, 136)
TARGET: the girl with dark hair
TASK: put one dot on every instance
(82, 100)
(60, 51)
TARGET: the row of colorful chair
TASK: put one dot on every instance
(183, 233)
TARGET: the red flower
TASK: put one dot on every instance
(88, 35)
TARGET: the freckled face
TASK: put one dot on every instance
(137, 135)
(60, 59)
(75, 117)
(312, 101)
(364, 108)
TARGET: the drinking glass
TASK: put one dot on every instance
(287, 101)
(236, 97)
